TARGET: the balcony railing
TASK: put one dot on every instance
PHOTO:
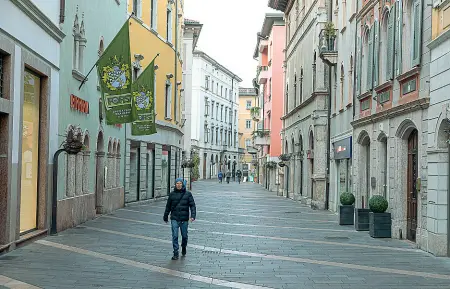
(261, 137)
(255, 113)
(328, 44)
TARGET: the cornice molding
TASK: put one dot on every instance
(35, 14)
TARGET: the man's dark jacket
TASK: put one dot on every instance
(180, 212)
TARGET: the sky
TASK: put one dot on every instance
(229, 32)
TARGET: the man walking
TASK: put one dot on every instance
(178, 205)
(239, 175)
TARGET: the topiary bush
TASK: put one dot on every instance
(378, 204)
(347, 199)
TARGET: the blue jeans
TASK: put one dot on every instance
(183, 226)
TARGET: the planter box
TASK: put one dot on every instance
(346, 214)
(380, 225)
(362, 219)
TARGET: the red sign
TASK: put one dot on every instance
(79, 104)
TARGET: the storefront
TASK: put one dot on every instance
(343, 165)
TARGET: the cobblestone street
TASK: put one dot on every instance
(244, 237)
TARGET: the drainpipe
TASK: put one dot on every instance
(62, 11)
(327, 190)
(176, 60)
(448, 208)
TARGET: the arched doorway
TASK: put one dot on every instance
(205, 159)
(364, 168)
(99, 171)
(411, 199)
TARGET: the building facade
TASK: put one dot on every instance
(340, 57)
(305, 120)
(390, 132)
(91, 181)
(247, 100)
(214, 130)
(269, 109)
(438, 128)
(154, 161)
(29, 94)
(192, 30)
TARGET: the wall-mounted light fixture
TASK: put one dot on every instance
(169, 75)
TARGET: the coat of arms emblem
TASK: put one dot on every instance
(116, 76)
(143, 99)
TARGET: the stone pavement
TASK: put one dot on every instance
(244, 237)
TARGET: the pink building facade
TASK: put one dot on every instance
(269, 51)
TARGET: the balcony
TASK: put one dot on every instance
(263, 74)
(263, 44)
(328, 44)
(261, 137)
(252, 150)
(255, 113)
(241, 151)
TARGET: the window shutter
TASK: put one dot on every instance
(398, 38)
(376, 51)
(369, 84)
(170, 102)
(417, 34)
(390, 45)
(358, 67)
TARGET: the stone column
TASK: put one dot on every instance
(79, 174)
(100, 174)
(110, 171)
(86, 175)
(158, 170)
(118, 176)
(143, 171)
(70, 181)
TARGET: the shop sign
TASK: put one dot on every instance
(343, 149)
(79, 104)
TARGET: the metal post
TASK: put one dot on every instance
(53, 229)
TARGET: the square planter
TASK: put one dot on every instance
(380, 225)
(346, 214)
(362, 219)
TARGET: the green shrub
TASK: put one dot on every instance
(347, 199)
(378, 204)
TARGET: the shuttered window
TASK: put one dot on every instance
(358, 66)
(369, 82)
(417, 32)
(390, 45)
(376, 51)
(398, 38)
(365, 104)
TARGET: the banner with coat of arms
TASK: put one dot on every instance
(114, 70)
(143, 91)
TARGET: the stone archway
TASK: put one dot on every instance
(364, 168)
(300, 172)
(99, 172)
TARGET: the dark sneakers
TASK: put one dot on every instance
(175, 257)
(183, 251)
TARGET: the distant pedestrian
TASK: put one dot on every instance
(239, 175)
(228, 177)
(220, 176)
(179, 203)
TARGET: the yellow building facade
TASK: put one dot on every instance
(247, 100)
(154, 161)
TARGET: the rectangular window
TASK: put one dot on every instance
(206, 107)
(221, 113)
(226, 92)
(206, 82)
(248, 124)
(235, 116)
(221, 90)
(168, 94)
(217, 111)
(212, 86)
(248, 142)
(135, 7)
(248, 104)
(226, 113)
(154, 14)
(169, 26)
(409, 86)
(365, 104)
(384, 97)
(212, 109)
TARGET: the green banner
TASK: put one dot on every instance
(143, 91)
(114, 70)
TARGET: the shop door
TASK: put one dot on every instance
(411, 218)
(30, 153)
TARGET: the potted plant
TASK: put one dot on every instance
(330, 35)
(284, 157)
(346, 209)
(379, 220)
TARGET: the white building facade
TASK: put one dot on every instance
(215, 112)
